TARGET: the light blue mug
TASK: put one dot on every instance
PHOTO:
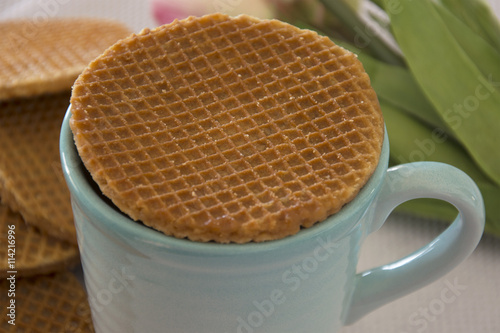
(139, 280)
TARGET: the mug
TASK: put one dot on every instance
(140, 280)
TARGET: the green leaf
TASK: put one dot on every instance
(365, 35)
(491, 197)
(412, 141)
(429, 208)
(397, 85)
(442, 210)
(485, 56)
(477, 14)
(311, 14)
(465, 99)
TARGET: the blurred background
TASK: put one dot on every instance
(476, 305)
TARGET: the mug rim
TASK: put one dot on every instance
(114, 221)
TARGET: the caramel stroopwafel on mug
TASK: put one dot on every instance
(227, 129)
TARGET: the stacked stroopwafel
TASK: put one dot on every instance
(50, 303)
(47, 56)
(38, 64)
(227, 129)
(32, 252)
(31, 178)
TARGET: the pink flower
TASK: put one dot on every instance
(165, 11)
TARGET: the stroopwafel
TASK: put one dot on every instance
(32, 252)
(227, 129)
(31, 178)
(46, 303)
(47, 56)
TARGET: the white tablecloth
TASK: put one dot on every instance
(476, 305)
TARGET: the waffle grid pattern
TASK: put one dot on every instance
(49, 303)
(31, 178)
(227, 129)
(36, 253)
(47, 56)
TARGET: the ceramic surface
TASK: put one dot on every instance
(139, 280)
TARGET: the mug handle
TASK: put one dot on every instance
(381, 285)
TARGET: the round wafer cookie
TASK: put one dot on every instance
(31, 178)
(227, 129)
(32, 252)
(46, 303)
(42, 56)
